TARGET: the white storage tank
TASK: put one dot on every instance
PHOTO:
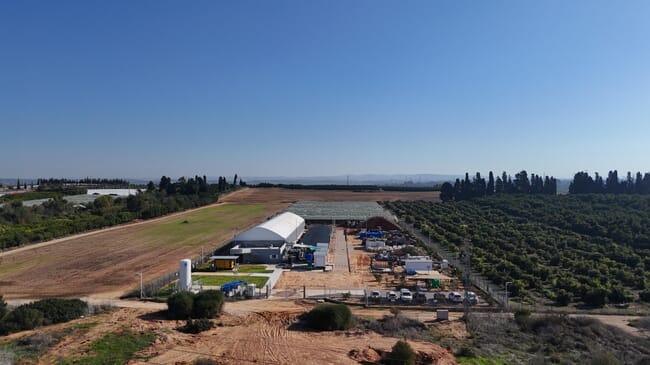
(185, 275)
(250, 290)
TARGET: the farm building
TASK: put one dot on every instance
(224, 262)
(267, 242)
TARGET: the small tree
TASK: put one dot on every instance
(208, 304)
(401, 354)
(180, 305)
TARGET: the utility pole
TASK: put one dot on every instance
(506, 301)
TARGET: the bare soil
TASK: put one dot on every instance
(246, 334)
(277, 195)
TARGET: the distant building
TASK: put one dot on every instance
(267, 242)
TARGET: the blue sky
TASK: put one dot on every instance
(304, 88)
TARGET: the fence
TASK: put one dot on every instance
(150, 288)
(493, 291)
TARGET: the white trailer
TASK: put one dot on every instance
(418, 265)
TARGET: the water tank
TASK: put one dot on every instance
(185, 275)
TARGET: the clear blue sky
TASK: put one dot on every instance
(304, 88)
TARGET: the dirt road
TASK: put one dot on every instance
(341, 258)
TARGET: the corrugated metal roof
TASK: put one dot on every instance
(342, 210)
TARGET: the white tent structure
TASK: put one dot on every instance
(286, 227)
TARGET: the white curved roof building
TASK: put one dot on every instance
(285, 227)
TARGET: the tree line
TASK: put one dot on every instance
(583, 183)
(57, 217)
(477, 187)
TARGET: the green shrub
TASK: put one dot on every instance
(59, 310)
(21, 319)
(595, 297)
(644, 296)
(3, 307)
(208, 304)
(196, 326)
(563, 298)
(401, 354)
(604, 359)
(522, 315)
(180, 305)
(329, 317)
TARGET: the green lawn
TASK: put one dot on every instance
(113, 349)
(222, 279)
(247, 269)
(198, 228)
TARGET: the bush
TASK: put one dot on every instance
(522, 315)
(208, 304)
(604, 359)
(563, 298)
(59, 310)
(180, 305)
(3, 307)
(21, 319)
(595, 297)
(204, 362)
(466, 352)
(196, 326)
(401, 354)
(644, 296)
(329, 317)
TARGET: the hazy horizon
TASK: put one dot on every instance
(318, 88)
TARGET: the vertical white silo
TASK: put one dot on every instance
(185, 275)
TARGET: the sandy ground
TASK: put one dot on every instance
(260, 332)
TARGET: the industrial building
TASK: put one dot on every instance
(267, 242)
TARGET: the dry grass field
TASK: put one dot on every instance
(107, 261)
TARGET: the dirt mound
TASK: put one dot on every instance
(367, 355)
(370, 355)
(381, 222)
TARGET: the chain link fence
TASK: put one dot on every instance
(495, 292)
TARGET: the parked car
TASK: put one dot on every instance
(391, 296)
(472, 298)
(375, 295)
(405, 295)
(455, 297)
